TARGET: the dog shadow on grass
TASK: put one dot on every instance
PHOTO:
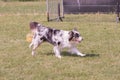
(64, 53)
(74, 55)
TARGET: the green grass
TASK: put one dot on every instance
(101, 43)
(22, 7)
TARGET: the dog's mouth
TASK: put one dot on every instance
(77, 40)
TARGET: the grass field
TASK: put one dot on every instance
(101, 43)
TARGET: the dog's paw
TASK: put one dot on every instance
(82, 55)
(30, 46)
(33, 53)
(58, 56)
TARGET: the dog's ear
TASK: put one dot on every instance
(75, 29)
(71, 33)
(33, 25)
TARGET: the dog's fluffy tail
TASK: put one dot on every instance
(33, 26)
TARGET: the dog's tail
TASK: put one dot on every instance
(33, 26)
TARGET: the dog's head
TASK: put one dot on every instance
(75, 36)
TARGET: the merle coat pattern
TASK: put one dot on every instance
(58, 38)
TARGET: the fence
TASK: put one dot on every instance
(77, 6)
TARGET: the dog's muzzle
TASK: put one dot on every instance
(79, 39)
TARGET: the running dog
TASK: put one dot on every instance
(58, 38)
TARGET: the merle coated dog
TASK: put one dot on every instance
(58, 38)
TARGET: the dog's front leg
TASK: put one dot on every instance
(31, 44)
(57, 52)
(33, 40)
(74, 50)
(36, 42)
(35, 45)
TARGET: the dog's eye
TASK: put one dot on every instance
(77, 35)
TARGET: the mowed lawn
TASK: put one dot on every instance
(101, 43)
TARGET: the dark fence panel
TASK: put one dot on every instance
(77, 6)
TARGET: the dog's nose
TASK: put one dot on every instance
(81, 38)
